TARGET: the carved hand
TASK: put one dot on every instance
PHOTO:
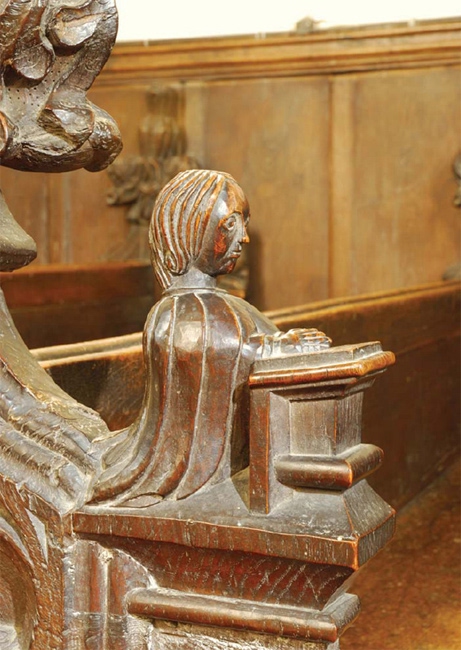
(295, 341)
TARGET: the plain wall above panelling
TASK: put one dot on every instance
(142, 20)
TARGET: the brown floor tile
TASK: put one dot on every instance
(411, 592)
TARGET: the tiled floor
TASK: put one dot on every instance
(411, 592)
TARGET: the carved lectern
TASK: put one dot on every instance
(232, 512)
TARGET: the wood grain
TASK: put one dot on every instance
(327, 52)
(421, 325)
(344, 142)
(58, 304)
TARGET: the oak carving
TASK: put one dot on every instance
(200, 343)
(50, 54)
(138, 179)
(232, 511)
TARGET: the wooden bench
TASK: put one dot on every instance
(412, 413)
(58, 304)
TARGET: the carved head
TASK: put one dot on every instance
(199, 220)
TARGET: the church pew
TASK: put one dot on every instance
(412, 412)
(59, 304)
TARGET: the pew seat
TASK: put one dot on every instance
(410, 591)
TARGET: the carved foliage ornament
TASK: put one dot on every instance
(50, 54)
(137, 180)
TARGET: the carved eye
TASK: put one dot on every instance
(230, 223)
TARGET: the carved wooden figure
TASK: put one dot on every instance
(241, 484)
(231, 513)
(137, 180)
(200, 344)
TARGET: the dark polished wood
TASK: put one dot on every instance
(210, 511)
(221, 534)
(50, 54)
(300, 121)
(421, 401)
(228, 548)
(421, 325)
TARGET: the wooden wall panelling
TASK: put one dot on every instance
(384, 177)
(340, 50)
(58, 304)
(341, 187)
(273, 136)
(98, 232)
(374, 132)
(406, 131)
(348, 134)
(195, 118)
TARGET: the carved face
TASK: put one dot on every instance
(225, 233)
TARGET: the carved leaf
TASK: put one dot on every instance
(33, 54)
(71, 30)
(56, 49)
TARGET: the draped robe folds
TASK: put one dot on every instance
(198, 356)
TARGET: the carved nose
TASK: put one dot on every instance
(245, 236)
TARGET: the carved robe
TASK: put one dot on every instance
(193, 422)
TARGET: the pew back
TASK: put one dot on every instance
(412, 412)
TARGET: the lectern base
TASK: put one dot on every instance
(179, 617)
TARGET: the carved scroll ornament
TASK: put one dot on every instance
(50, 53)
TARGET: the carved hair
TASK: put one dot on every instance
(181, 214)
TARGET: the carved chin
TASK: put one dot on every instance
(227, 266)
